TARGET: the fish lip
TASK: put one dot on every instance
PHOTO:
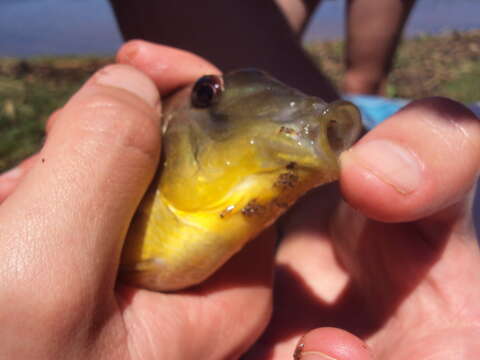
(325, 130)
(342, 125)
(308, 130)
(301, 142)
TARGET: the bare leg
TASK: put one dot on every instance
(373, 31)
(231, 34)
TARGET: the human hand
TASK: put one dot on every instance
(400, 266)
(309, 309)
(64, 215)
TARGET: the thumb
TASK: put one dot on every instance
(64, 224)
(417, 163)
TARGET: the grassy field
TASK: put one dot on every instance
(30, 90)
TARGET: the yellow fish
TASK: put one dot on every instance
(238, 150)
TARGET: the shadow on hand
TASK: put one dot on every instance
(385, 265)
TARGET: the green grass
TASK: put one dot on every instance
(467, 86)
(25, 108)
(29, 92)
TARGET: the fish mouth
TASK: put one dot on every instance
(342, 125)
(316, 140)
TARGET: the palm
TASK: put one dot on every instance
(403, 288)
(195, 321)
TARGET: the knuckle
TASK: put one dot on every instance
(442, 107)
(52, 119)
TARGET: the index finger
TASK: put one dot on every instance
(168, 67)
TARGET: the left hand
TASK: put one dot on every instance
(65, 213)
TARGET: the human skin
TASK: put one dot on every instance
(389, 276)
(230, 34)
(373, 31)
(399, 266)
(62, 226)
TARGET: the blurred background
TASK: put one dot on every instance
(49, 47)
(47, 27)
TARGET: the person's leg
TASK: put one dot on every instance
(373, 31)
(231, 34)
(297, 12)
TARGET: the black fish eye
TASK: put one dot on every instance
(206, 91)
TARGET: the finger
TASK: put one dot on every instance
(331, 344)
(66, 221)
(10, 179)
(417, 163)
(169, 68)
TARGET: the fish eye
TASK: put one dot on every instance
(206, 91)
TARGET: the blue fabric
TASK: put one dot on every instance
(475, 107)
(375, 109)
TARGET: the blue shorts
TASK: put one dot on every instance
(375, 109)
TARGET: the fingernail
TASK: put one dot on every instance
(300, 354)
(129, 52)
(390, 162)
(130, 79)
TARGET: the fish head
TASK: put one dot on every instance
(226, 130)
(237, 151)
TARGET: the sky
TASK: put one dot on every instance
(38, 27)
(34, 27)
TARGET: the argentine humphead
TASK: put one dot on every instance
(238, 150)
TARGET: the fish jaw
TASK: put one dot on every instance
(168, 249)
